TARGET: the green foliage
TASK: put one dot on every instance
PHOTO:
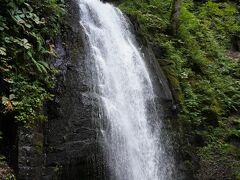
(29, 107)
(204, 78)
(27, 32)
(5, 172)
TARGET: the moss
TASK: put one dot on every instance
(215, 157)
(204, 79)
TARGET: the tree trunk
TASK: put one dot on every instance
(176, 6)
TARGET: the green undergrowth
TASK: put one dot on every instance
(27, 32)
(204, 76)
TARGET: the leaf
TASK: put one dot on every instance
(22, 15)
(26, 44)
(11, 96)
(29, 7)
(52, 50)
(44, 64)
(9, 106)
(7, 103)
(38, 39)
(40, 67)
(18, 18)
(3, 51)
(4, 100)
(15, 103)
(27, 25)
(36, 19)
(9, 80)
(7, 39)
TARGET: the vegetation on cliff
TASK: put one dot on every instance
(27, 32)
(198, 48)
(201, 60)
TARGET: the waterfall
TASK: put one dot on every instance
(131, 127)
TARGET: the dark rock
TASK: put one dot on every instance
(71, 130)
(30, 152)
(235, 43)
(8, 142)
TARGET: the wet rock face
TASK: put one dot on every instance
(70, 134)
(30, 152)
(71, 142)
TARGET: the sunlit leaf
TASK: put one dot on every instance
(3, 51)
(9, 80)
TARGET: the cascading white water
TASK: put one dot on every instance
(131, 140)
